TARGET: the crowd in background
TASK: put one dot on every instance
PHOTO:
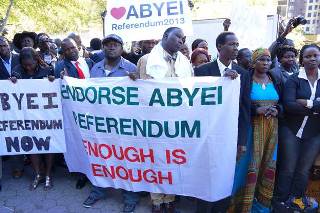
(278, 128)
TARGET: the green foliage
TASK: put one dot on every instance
(53, 16)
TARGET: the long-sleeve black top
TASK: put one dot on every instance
(303, 121)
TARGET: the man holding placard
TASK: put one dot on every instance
(113, 65)
(165, 61)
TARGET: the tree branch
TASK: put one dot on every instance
(3, 22)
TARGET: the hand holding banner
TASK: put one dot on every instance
(159, 136)
(31, 117)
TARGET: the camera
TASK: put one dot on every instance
(299, 20)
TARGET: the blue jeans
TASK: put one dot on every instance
(296, 157)
(128, 196)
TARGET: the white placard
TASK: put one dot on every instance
(173, 136)
(146, 19)
(31, 119)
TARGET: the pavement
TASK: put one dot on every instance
(64, 197)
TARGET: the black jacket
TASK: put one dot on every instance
(281, 73)
(42, 72)
(212, 69)
(72, 71)
(298, 88)
(3, 71)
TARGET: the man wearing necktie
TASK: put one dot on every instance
(77, 67)
(72, 65)
(8, 60)
(227, 46)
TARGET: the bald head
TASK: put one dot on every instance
(69, 49)
(173, 39)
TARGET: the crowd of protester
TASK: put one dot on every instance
(278, 128)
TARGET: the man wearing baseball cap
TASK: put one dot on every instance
(113, 65)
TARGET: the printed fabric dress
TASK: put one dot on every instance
(257, 193)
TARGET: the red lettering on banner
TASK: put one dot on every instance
(85, 145)
(109, 151)
(120, 172)
(179, 155)
(124, 171)
(95, 169)
(168, 156)
(121, 156)
(161, 178)
(152, 178)
(130, 154)
(134, 154)
(92, 149)
(107, 173)
(150, 155)
(139, 176)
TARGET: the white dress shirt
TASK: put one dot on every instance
(83, 66)
(222, 67)
(303, 75)
(7, 65)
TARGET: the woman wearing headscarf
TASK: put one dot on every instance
(300, 134)
(256, 192)
(33, 67)
(199, 43)
(199, 56)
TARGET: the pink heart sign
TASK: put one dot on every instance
(118, 13)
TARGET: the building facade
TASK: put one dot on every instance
(310, 9)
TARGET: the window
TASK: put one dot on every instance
(307, 29)
(310, 1)
(310, 8)
(308, 21)
(309, 14)
(314, 21)
(315, 14)
(316, 7)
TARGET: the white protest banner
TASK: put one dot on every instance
(170, 136)
(31, 117)
(146, 19)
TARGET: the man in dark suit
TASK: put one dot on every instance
(8, 60)
(227, 45)
(77, 67)
(72, 65)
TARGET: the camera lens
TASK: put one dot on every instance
(301, 20)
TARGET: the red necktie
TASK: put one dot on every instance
(80, 72)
